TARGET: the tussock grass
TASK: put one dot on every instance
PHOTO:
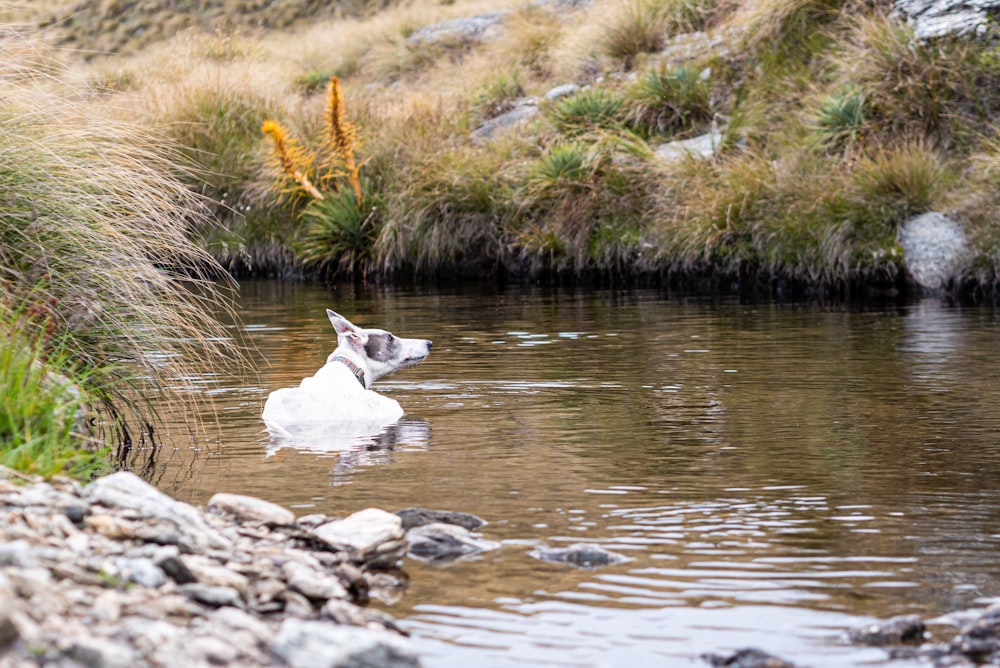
(588, 110)
(95, 246)
(947, 88)
(671, 100)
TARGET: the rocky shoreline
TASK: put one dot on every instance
(116, 573)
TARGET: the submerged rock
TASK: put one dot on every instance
(581, 555)
(415, 517)
(748, 657)
(440, 542)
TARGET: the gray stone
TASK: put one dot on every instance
(703, 146)
(441, 542)
(214, 650)
(371, 536)
(932, 19)
(100, 653)
(312, 583)
(250, 509)
(470, 29)
(314, 644)
(581, 555)
(212, 596)
(17, 553)
(933, 249)
(524, 109)
(561, 91)
(127, 491)
(415, 517)
(141, 571)
(238, 620)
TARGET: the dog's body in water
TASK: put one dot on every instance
(339, 395)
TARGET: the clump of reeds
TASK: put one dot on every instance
(95, 259)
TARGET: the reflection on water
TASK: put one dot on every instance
(775, 473)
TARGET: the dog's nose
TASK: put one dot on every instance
(429, 344)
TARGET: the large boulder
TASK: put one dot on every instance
(933, 248)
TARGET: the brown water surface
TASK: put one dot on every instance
(777, 473)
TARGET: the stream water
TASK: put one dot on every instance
(777, 473)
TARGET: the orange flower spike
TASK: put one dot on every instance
(288, 158)
(342, 134)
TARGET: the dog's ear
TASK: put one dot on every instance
(341, 324)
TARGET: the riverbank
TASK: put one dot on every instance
(574, 140)
(115, 573)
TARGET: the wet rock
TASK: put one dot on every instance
(439, 542)
(371, 537)
(470, 29)
(933, 248)
(415, 517)
(581, 555)
(316, 644)
(894, 631)
(250, 509)
(748, 657)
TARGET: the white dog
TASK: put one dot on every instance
(338, 398)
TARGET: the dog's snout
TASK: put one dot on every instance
(430, 344)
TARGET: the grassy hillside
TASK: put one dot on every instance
(834, 127)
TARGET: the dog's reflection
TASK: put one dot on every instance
(355, 443)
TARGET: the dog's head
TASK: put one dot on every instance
(380, 351)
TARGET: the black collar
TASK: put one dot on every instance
(358, 372)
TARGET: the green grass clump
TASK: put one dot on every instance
(588, 110)
(582, 207)
(671, 100)
(841, 119)
(43, 406)
(337, 234)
